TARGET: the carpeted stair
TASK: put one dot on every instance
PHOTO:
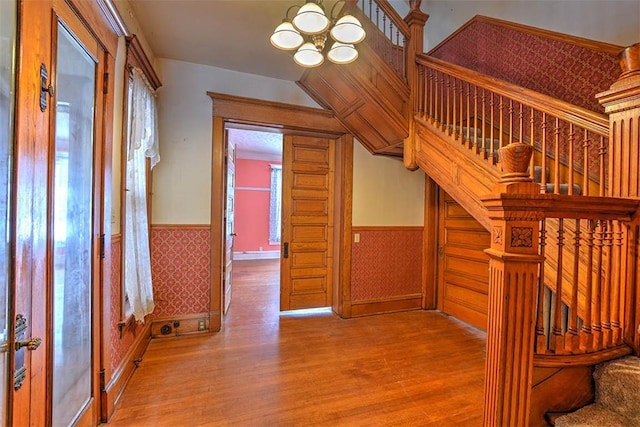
(617, 397)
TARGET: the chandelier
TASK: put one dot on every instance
(307, 34)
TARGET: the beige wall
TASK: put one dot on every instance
(118, 77)
(610, 21)
(182, 179)
(385, 192)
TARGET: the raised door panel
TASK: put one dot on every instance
(463, 275)
(307, 212)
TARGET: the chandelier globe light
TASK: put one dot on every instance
(308, 56)
(286, 37)
(348, 30)
(311, 19)
(308, 31)
(342, 53)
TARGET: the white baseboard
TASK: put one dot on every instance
(256, 255)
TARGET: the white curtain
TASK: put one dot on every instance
(275, 205)
(142, 143)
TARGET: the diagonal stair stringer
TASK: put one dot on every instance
(456, 169)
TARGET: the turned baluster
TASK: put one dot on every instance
(619, 266)
(543, 163)
(542, 343)
(586, 144)
(454, 110)
(586, 335)
(572, 340)
(603, 171)
(557, 337)
(596, 325)
(606, 285)
(571, 159)
(532, 140)
(556, 169)
(475, 119)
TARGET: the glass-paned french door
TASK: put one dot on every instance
(7, 81)
(72, 212)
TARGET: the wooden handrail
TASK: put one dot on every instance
(568, 207)
(485, 114)
(590, 120)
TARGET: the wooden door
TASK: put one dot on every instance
(59, 140)
(463, 268)
(307, 222)
(227, 284)
(8, 25)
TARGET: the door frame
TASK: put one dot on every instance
(30, 405)
(286, 119)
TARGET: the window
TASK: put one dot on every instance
(275, 205)
(139, 155)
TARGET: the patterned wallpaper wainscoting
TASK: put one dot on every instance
(386, 269)
(181, 269)
(553, 66)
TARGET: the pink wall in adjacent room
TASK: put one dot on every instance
(386, 263)
(253, 183)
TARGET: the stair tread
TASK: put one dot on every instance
(618, 385)
(595, 415)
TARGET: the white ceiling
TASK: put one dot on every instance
(251, 144)
(230, 34)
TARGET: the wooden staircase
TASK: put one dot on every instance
(371, 97)
(563, 250)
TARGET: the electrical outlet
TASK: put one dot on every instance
(201, 325)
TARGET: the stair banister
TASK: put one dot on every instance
(483, 113)
(516, 209)
(595, 122)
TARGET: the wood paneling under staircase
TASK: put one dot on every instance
(371, 97)
(463, 267)
(368, 98)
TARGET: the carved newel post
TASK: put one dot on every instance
(415, 19)
(513, 273)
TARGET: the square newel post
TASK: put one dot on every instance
(513, 276)
(622, 104)
(415, 19)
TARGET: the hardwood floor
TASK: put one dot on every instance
(270, 369)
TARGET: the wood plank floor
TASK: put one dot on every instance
(270, 369)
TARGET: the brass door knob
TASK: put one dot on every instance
(32, 344)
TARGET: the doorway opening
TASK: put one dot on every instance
(316, 215)
(256, 210)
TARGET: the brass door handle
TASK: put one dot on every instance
(32, 344)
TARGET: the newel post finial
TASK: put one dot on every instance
(514, 161)
(629, 59)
